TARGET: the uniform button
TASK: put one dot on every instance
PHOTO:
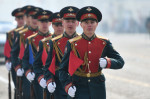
(24, 34)
(89, 80)
(89, 42)
(33, 39)
(89, 61)
(103, 43)
(47, 43)
(58, 42)
(89, 51)
(75, 44)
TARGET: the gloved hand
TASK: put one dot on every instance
(43, 83)
(51, 87)
(102, 62)
(71, 91)
(8, 66)
(30, 76)
(20, 72)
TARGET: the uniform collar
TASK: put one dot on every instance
(43, 34)
(87, 38)
(30, 28)
(67, 36)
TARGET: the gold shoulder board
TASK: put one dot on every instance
(57, 37)
(24, 30)
(18, 29)
(75, 38)
(46, 39)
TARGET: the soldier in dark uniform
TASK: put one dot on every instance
(41, 55)
(25, 8)
(18, 14)
(57, 47)
(85, 57)
(19, 47)
(31, 49)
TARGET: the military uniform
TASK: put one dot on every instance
(30, 51)
(57, 49)
(41, 55)
(18, 50)
(80, 64)
(9, 43)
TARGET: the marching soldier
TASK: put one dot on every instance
(25, 8)
(41, 55)
(57, 47)
(19, 47)
(85, 57)
(18, 14)
(31, 49)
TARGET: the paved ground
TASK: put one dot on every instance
(131, 82)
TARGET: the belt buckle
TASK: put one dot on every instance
(88, 75)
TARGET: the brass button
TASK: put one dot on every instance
(33, 39)
(89, 61)
(89, 42)
(89, 51)
(89, 80)
(58, 42)
(75, 44)
(103, 43)
(88, 75)
(24, 34)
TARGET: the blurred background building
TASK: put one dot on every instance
(121, 16)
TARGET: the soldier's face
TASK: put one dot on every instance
(44, 26)
(70, 25)
(33, 22)
(89, 26)
(58, 29)
(27, 20)
(20, 21)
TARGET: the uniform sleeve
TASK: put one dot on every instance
(114, 60)
(15, 52)
(48, 74)
(38, 65)
(25, 60)
(64, 76)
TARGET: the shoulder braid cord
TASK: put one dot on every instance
(9, 39)
(58, 52)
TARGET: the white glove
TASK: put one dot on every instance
(71, 91)
(30, 76)
(51, 87)
(8, 66)
(20, 72)
(102, 62)
(43, 83)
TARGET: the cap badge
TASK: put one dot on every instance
(58, 14)
(44, 12)
(70, 9)
(89, 9)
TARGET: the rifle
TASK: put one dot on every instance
(44, 93)
(52, 96)
(32, 96)
(9, 85)
(17, 87)
(20, 88)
